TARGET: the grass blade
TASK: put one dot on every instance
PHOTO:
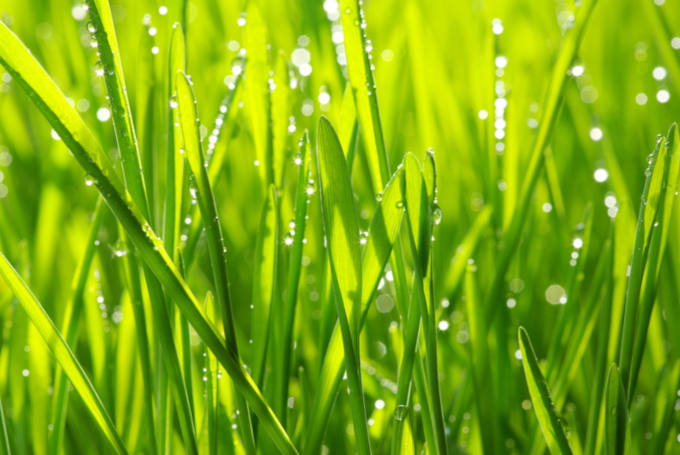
(216, 249)
(62, 352)
(365, 94)
(70, 127)
(615, 413)
(109, 52)
(382, 235)
(294, 270)
(342, 236)
(544, 408)
(4, 436)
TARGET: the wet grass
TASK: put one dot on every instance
(287, 227)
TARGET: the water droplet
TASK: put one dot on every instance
(400, 412)
(436, 214)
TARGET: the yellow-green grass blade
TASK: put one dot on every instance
(265, 287)
(419, 187)
(110, 55)
(382, 235)
(64, 119)
(359, 64)
(257, 91)
(302, 196)
(341, 227)
(340, 219)
(656, 248)
(174, 169)
(280, 107)
(217, 251)
(62, 352)
(651, 199)
(543, 405)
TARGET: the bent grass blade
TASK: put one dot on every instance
(75, 134)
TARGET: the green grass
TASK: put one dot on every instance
(339, 227)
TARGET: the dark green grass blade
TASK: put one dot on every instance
(540, 397)
(70, 127)
(616, 413)
(62, 352)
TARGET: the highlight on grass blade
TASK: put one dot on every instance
(341, 228)
(543, 406)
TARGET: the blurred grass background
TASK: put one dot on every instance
(467, 79)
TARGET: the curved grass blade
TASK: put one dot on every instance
(216, 250)
(382, 235)
(341, 227)
(550, 425)
(121, 113)
(62, 352)
(29, 75)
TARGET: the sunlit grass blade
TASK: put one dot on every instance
(655, 253)
(382, 235)
(418, 190)
(109, 53)
(257, 91)
(216, 248)
(62, 352)
(302, 195)
(363, 85)
(174, 168)
(265, 287)
(64, 119)
(651, 201)
(342, 236)
(540, 397)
